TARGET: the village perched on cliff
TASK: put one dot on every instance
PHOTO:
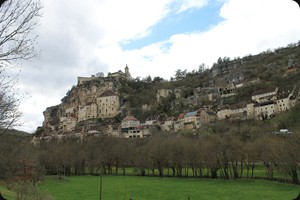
(256, 87)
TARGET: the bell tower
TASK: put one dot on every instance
(127, 74)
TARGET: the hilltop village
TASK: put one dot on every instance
(122, 106)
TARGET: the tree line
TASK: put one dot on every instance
(232, 154)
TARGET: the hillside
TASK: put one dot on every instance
(229, 89)
(14, 132)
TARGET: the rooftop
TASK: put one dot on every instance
(264, 91)
(130, 118)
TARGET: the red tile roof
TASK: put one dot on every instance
(130, 118)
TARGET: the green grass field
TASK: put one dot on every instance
(8, 194)
(155, 188)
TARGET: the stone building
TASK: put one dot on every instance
(264, 95)
(108, 104)
(119, 74)
(67, 124)
(131, 128)
(87, 112)
(82, 80)
(266, 103)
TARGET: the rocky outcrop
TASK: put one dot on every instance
(84, 102)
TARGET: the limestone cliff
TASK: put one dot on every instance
(92, 105)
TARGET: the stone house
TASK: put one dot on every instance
(281, 102)
(108, 104)
(206, 117)
(264, 95)
(236, 111)
(138, 132)
(266, 103)
(131, 128)
(87, 112)
(264, 110)
(128, 123)
(286, 101)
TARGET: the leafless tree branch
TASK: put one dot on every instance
(18, 18)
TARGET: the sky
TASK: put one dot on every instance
(153, 37)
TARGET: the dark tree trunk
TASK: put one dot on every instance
(124, 168)
(294, 175)
(235, 170)
(173, 171)
(214, 173)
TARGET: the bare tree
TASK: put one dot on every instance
(18, 18)
(9, 102)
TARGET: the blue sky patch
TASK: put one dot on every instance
(193, 20)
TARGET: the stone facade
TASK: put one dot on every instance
(131, 128)
(108, 104)
(266, 103)
(264, 95)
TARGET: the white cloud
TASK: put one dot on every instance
(191, 4)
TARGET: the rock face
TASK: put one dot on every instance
(91, 106)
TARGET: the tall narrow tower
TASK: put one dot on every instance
(127, 74)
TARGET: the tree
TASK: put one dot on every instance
(18, 18)
(180, 75)
(157, 151)
(157, 79)
(201, 68)
(288, 159)
(9, 102)
(147, 79)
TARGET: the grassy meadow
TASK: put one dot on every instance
(155, 188)
(8, 194)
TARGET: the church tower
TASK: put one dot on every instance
(127, 74)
